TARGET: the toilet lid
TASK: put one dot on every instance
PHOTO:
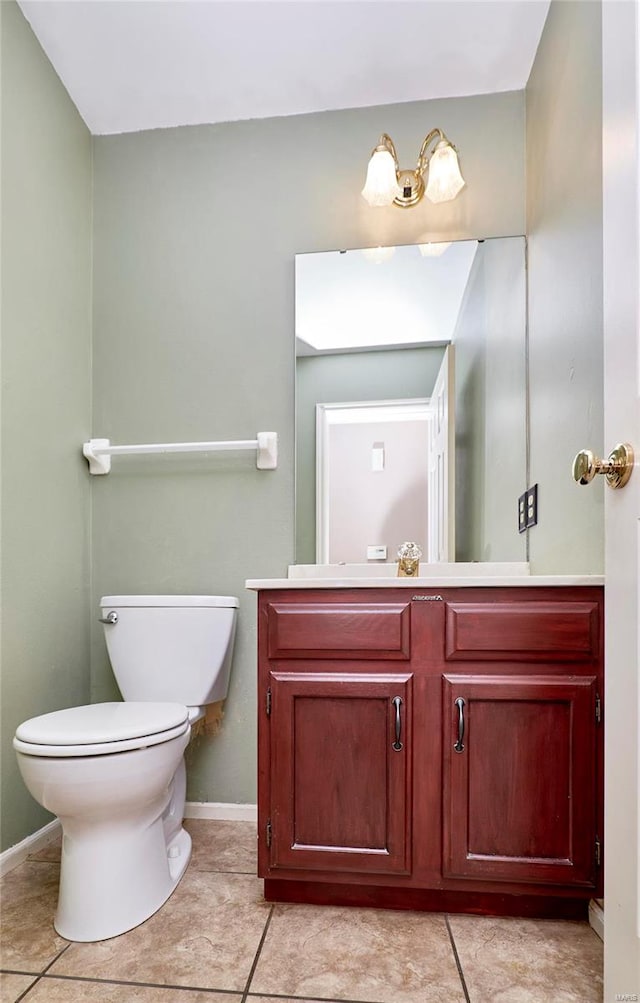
(103, 723)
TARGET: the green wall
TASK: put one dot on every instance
(491, 405)
(564, 227)
(45, 189)
(195, 233)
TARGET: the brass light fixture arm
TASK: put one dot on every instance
(423, 159)
(386, 143)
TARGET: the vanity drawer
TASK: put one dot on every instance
(339, 630)
(530, 631)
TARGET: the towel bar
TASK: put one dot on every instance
(99, 451)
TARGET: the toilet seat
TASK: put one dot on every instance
(101, 729)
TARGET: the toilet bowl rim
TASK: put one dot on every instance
(83, 751)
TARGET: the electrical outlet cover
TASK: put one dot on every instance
(522, 512)
(531, 503)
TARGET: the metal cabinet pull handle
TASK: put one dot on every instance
(111, 617)
(397, 745)
(459, 746)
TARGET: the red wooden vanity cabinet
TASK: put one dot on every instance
(432, 749)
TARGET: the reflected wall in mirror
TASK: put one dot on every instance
(373, 326)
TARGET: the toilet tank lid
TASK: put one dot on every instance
(102, 722)
(168, 601)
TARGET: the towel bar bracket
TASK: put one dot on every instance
(267, 458)
(99, 463)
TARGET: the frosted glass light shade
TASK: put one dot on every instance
(381, 186)
(445, 179)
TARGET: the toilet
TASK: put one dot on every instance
(114, 773)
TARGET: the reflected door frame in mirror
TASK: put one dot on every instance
(374, 474)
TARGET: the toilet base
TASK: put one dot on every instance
(107, 892)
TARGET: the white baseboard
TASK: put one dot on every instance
(17, 854)
(219, 810)
(596, 918)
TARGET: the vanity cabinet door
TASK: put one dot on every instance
(519, 784)
(340, 751)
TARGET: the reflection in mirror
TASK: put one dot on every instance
(374, 327)
(370, 458)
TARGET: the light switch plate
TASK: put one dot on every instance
(377, 457)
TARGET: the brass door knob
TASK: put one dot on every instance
(617, 469)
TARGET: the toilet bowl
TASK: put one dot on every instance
(114, 773)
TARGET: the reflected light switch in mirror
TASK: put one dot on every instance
(377, 456)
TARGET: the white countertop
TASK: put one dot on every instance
(450, 581)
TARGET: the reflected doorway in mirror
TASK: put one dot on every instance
(385, 472)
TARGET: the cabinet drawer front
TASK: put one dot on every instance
(533, 631)
(520, 779)
(339, 630)
(340, 789)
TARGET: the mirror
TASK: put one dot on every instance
(372, 330)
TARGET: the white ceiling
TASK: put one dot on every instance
(345, 301)
(148, 64)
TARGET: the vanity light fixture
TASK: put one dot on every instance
(387, 184)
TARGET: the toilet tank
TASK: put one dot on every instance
(174, 648)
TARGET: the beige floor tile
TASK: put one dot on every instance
(28, 899)
(205, 936)
(362, 954)
(523, 960)
(51, 990)
(12, 986)
(222, 846)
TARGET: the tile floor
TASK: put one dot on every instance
(217, 941)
